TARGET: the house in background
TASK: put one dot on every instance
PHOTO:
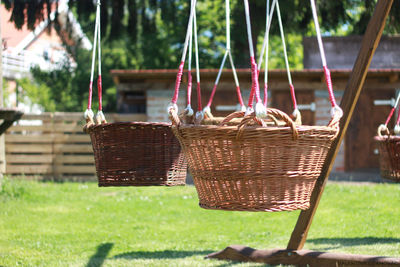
(150, 91)
(23, 48)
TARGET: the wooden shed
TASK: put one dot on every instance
(150, 91)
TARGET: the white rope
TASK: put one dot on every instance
(227, 26)
(268, 23)
(321, 47)
(248, 25)
(189, 30)
(228, 47)
(99, 40)
(190, 51)
(233, 69)
(196, 45)
(221, 67)
(265, 42)
(96, 27)
(283, 43)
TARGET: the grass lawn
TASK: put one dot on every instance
(80, 224)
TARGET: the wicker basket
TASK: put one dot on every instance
(137, 154)
(389, 161)
(255, 168)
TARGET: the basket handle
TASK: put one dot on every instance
(173, 116)
(383, 129)
(273, 113)
(337, 113)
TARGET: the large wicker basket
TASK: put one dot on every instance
(137, 154)
(389, 161)
(255, 168)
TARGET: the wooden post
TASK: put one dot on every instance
(354, 86)
(2, 140)
(293, 254)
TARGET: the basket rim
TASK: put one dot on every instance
(300, 128)
(386, 138)
(131, 123)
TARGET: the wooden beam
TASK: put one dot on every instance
(301, 257)
(354, 86)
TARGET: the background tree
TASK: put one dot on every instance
(147, 34)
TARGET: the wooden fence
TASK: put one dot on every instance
(53, 145)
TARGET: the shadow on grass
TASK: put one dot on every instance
(350, 242)
(101, 254)
(164, 254)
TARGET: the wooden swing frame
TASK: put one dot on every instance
(294, 253)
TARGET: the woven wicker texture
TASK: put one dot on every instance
(255, 168)
(137, 154)
(389, 161)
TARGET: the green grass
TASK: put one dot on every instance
(79, 224)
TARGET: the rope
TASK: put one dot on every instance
(199, 114)
(292, 92)
(264, 48)
(182, 63)
(99, 85)
(189, 110)
(96, 27)
(196, 45)
(227, 53)
(255, 90)
(328, 78)
(392, 111)
(383, 127)
(268, 24)
(217, 79)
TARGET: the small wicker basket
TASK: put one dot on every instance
(252, 167)
(389, 161)
(137, 154)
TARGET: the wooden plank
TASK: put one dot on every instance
(126, 117)
(75, 169)
(34, 169)
(301, 257)
(81, 159)
(39, 138)
(48, 138)
(353, 89)
(78, 116)
(50, 169)
(72, 138)
(73, 148)
(42, 116)
(48, 127)
(47, 158)
(29, 148)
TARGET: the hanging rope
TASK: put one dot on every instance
(260, 110)
(335, 108)
(207, 109)
(189, 110)
(199, 114)
(296, 112)
(100, 118)
(89, 115)
(265, 49)
(383, 127)
(174, 99)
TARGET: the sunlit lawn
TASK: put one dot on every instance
(80, 224)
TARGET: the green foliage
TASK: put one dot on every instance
(12, 189)
(149, 34)
(37, 93)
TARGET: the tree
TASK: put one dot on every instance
(146, 34)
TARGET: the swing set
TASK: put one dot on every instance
(266, 161)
